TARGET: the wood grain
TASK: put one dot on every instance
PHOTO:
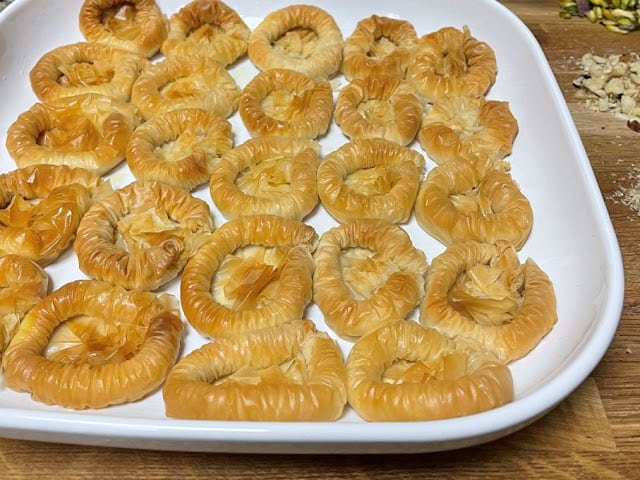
(594, 434)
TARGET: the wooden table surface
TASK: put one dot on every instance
(594, 434)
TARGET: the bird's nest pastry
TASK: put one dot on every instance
(22, 284)
(461, 201)
(41, 208)
(379, 46)
(379, 106)
(135, 25)
(287, 373)
(405, 372)
(367, 272)
(90, 344)
(90, 131)
(179, 147)
(303, 38)
(286, 103)
(451, 62)
(254, 272)
(85, 67)
(482, 291)
(182, 82)
(207, 28)
(370, 177)
(267, 176)
(463, 126)
(141, 235)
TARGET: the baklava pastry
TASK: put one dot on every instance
(303, 38)
(379, 46)
(90, 131)
(405, 372)
(135, 25)
(370, 178)
(41, 208)
(90, 344)
(86, 67)
(254, 272)
(460, 201)
(141, 236)
(367, 273)
(455, 127)
(267, 175)
(482, 291)
(286, 103)
(380, 106)
(182, 82)
(208, 28)
(22, 284)
(179, 147)
(451, 62)
(291, 372)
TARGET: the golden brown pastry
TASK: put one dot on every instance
(41, 208)
(380, 106)
(254, 272)
(286, 373)
(303, 38)
(370, 177)
(451, 62)
(179, 147)
(286, 103)
(90, 344)
(460, 201)
(379, 46)
(267, 175)
(368, 272)
(482, 291)
(462, 126)
(405, 372)
(90, 131)
(207, 28)
(86, 67)
(22, 284)
(135, 25)
(141, 236)
(182, 82)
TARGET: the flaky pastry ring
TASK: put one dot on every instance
(22, 284)
(141, 236)
(182, 82)
(286, 103)
(370, 178)
(41, 207)
(290, 372)
(90, 131)
(460, 201)
(254, 272)
(451, 62)
(483, 292)
(379, 46)
(179, 147)
(267, 175)
(207, 28)
(85, 67)
(455, 127)
(303, 38)
(135, 25)
(405, 372)
(380, 106)
(367, 273)
(127, 363)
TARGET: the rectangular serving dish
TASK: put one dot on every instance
(572, 240)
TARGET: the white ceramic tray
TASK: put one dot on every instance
(572, 240)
